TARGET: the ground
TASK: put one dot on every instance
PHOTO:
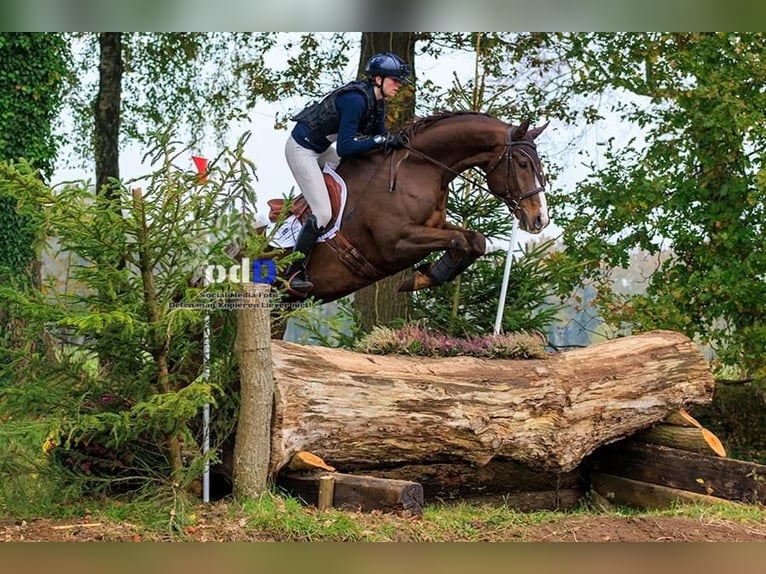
(216, 524)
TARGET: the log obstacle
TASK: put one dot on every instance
(401, 430)
(363, 412)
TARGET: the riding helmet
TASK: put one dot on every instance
(388, 64)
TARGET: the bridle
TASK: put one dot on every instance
(523, 146)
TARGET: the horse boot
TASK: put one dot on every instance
(304, 243)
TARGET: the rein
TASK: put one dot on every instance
(510, 170)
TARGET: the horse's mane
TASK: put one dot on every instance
(417, 124)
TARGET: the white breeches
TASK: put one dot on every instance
(307, 166)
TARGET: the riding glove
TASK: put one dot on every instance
(394, 141)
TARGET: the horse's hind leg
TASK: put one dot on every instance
(448, 267)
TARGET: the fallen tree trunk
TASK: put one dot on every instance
(361, 412)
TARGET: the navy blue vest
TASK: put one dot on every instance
(322, 117)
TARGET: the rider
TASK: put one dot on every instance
(353, 116)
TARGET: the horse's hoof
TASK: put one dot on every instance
(415, 282)
(407, 284)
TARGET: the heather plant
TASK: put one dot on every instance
(417, 340)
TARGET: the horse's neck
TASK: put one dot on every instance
(461, 147)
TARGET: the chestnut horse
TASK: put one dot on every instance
(395, 212)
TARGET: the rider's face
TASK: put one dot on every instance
(391, 86)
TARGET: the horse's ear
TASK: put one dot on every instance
(534, 132)
(520, 131)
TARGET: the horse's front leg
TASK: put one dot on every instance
(452, 263)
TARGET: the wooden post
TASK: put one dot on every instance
(253, 348)
(326, 491)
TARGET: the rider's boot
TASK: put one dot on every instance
(296, 273)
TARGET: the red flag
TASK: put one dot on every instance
(201, 164)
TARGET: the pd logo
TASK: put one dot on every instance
(258, 271)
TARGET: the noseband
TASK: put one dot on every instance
(523, 148)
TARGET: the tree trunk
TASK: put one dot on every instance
(381, 303)
(253, 348)
(361, 412)
(107, 112)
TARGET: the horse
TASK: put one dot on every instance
(395, 211)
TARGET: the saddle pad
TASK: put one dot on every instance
(284, 236)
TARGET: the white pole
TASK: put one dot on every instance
(206, 411)
(201, 164)
(506, 277)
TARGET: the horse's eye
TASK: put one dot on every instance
(523, 164)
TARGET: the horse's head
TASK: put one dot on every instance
(516, 176)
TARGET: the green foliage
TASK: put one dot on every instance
(737, 416)
(693, 191)
(119, 378)
(339, 329)
(468, 306)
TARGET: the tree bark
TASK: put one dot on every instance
(361, 412)
(253, 348)
(107, 112)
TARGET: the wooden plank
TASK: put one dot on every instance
(703, 474)
(357, 492)
(647, 496)
(500, 477)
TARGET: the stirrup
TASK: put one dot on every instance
(299, 285)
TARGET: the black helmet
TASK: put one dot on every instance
(388, 64)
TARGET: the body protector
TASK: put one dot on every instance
(323, 119)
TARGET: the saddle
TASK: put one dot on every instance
(346, 252)
(300, 207)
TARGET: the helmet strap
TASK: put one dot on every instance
(380, 86)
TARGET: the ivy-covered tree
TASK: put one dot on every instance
(33, 72)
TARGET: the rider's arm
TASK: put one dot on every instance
(351, 108)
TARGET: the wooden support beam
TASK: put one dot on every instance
(356, 492)
(533, 501)
(699, 473)
(646, 496)
(498, 478)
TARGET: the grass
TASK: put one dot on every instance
(274, 516)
